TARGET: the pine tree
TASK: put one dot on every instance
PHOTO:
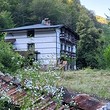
(89, 41)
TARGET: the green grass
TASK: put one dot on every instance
(93, 82)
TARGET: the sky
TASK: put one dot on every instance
(98, 6)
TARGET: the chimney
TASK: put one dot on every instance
(46, 21)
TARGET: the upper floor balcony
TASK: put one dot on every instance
(64, 37)
(70, 54)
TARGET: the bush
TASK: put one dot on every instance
(107, 56)
(10, 61)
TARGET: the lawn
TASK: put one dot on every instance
(93, 82)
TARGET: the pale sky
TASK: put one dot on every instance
(98, 6)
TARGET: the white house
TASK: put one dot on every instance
(48, 42)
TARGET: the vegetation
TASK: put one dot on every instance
(94, 82)
(68, 12)
(89, 42)
(93, 49)
(37, 84)
(10, 61)
(102, 20)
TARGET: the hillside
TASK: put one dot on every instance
(101, 19)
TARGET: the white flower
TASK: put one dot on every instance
(13, 58)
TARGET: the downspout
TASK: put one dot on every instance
(56, 47)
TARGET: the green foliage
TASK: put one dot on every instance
(92, 50)
(37, 84)
(106, 35)
(26, 12)
(28, 60)
(6, 20)
(91, 81)
(23, 17)
(55, 10)
(89, 42)
(4, 105)
(68, 12)
(10, 61)
(107, 56)
(104, 47)
(65, 57)
(4, 5)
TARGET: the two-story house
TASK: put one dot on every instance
(48, 42)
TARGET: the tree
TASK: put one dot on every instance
(21, 12)
(89, 42)
(6, 20)
(73, 11)
(107, 56)
(46, 8)
(4, 5)
(10, 61)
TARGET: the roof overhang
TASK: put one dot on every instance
(40, 26)
(12, 40)
(75, 34)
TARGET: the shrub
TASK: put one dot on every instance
(107, 56)
(10, 61)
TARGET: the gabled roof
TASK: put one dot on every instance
(36, 26)
(41, 26)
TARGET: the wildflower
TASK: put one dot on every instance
(13, 58)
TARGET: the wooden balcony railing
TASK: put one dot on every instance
(67, 39)
(71, 54)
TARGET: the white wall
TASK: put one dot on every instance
(58, 42)
(45, 43)
(16, 34)
(47, 58)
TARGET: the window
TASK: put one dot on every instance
(31, 46)
(61, 47)
(30, 33)
(74, 49)
(65, 47)
(69, 48)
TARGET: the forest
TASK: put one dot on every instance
(93, 48)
